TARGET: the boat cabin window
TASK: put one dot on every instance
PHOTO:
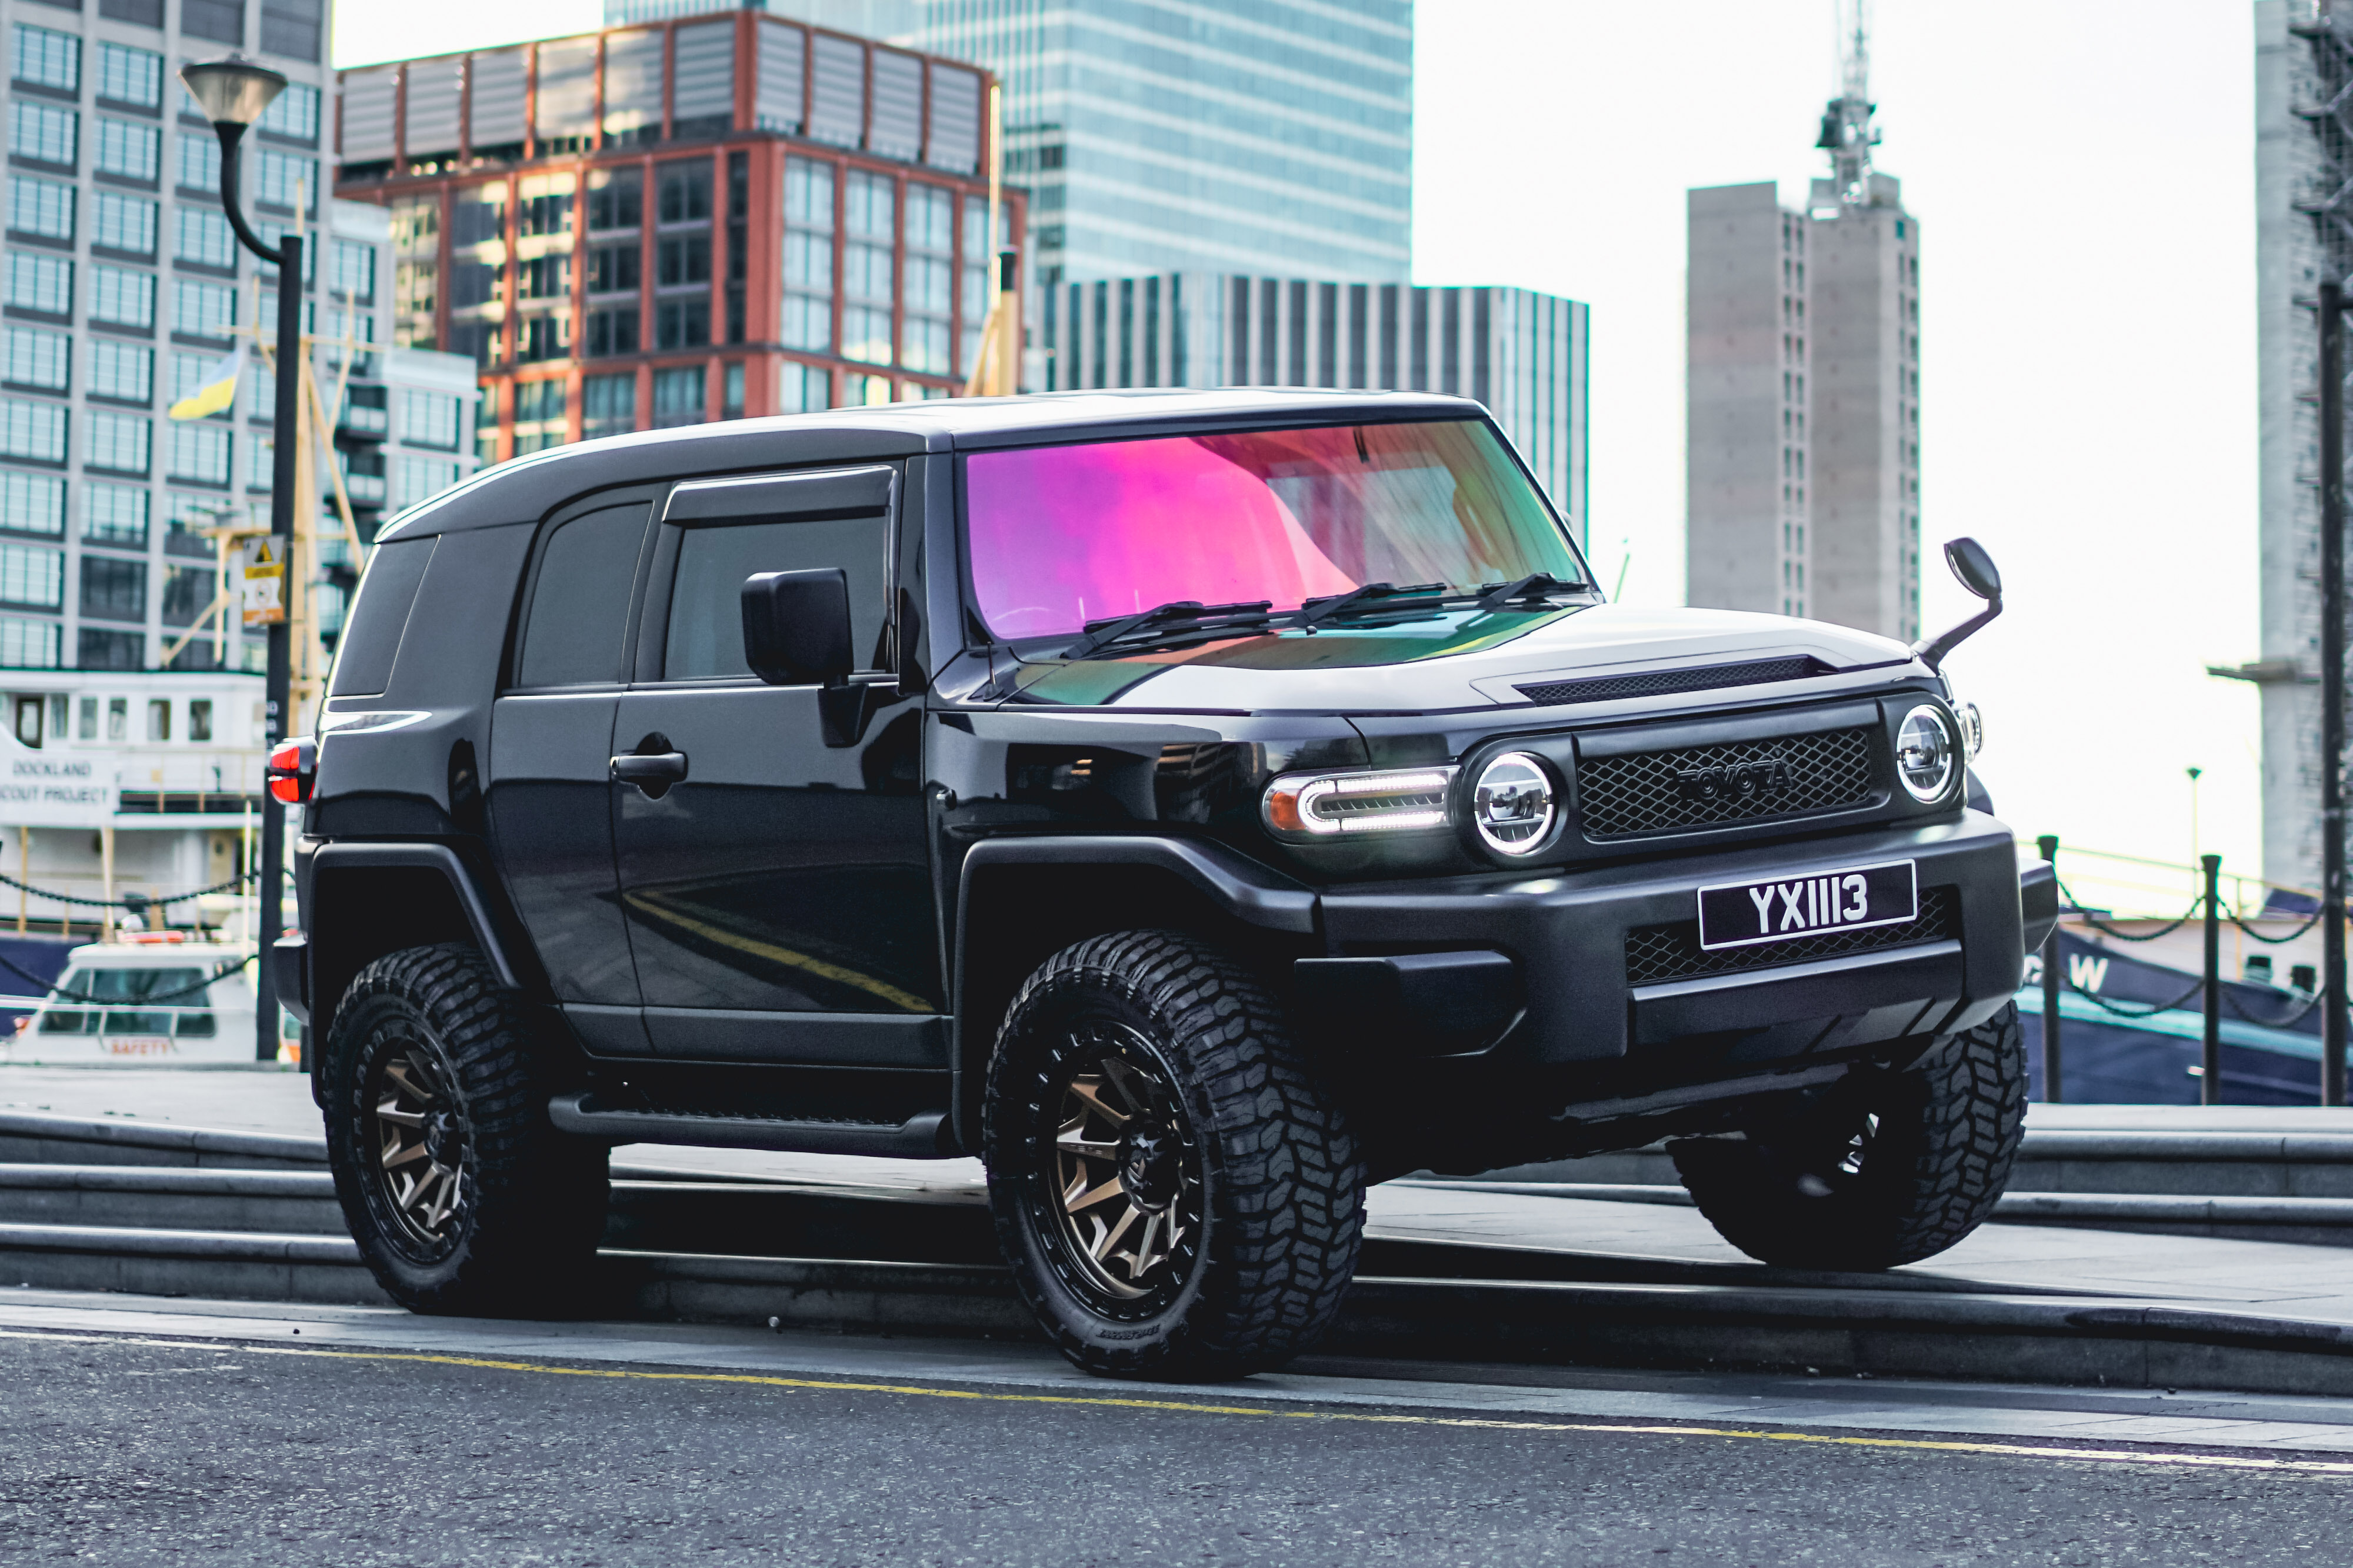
(173, 986)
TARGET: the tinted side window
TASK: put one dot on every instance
(706, 602)
(364, 654)
(580, 602)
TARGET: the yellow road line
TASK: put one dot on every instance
(1190, 1408)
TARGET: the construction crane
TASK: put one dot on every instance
(1848, 134)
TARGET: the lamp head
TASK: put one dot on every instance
(232, 91)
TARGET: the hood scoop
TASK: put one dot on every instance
(1661, 682)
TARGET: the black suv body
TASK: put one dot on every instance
(724, 774)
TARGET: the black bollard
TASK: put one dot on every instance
(2049, 844)
(2209, 1053)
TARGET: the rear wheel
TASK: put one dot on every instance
(1177, 1194)
(1881, 1168)
(462, 1196)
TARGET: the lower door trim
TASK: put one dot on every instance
(608, 1031)
(801, 1039)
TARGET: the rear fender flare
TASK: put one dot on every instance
(338, 956)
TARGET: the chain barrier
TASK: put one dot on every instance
(2249, 930)
(2150, 1011)
(2085, 916)
(2290, 1021)
(123, 1003)
(129, 900)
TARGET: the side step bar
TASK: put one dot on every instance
(923, 1137)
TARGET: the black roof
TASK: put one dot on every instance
(528, 488)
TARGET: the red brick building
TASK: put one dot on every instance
(700, 219)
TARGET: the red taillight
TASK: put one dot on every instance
(292, 768)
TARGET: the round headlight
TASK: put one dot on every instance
(1512, 805)
(1926, 759)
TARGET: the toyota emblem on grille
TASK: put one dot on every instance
(1767, 779)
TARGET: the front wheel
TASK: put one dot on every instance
(1881, 1168)
(462, 1196)
(1176, 1194)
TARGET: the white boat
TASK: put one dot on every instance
(165, 999)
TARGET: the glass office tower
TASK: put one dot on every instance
(1266, 137)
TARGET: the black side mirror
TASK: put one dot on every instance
(796, 626)
(1974, 567)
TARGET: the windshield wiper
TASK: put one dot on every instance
(1176, 618)
(1535, 585)
(1371, 596)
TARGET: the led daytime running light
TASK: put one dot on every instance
(1331, 806)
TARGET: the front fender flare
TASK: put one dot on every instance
(1241, 888)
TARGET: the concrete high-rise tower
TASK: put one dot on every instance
(1803, 387)
(2303, 225)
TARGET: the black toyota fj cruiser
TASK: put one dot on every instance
(1196, 805)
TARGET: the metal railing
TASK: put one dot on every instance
(2109, 893)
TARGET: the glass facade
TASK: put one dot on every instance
(1224, 136)
(1521, 353)
(124, 286)
(615, 267)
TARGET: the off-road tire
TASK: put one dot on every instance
(1824, 1189)
(1280, 1179)
(528, 1204)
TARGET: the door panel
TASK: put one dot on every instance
(551, 748)
(549, 760)
(780, 874)
(777, 890)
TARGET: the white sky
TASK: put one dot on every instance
(2085, 178)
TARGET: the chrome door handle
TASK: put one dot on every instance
(658, 768)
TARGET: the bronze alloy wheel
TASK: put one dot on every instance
(417, 1129)
(461, 1195)
(1126, 1176)
(1173, 1192)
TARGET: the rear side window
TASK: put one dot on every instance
(580, 600)
(364, 653)
(706, 604)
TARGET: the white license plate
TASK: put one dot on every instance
(1745, 915)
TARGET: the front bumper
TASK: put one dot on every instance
(1574, 996)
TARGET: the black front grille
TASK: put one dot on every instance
(1649, 792)
(1659, 682)
(1673, 951)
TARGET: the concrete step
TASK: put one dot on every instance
(2309, 1222)
(796, 1221)
(2273, 1186)
(646, 1214)
(2178, 1164)
(244, 1265)
(27, 1139)
(171, 1197)
(2075, 1340)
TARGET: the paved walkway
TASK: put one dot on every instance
(2269, 1278)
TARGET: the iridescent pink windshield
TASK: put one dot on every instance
(1064, 535)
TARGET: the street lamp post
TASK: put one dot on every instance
(233, 92)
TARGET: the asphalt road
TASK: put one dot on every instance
(126, 1452)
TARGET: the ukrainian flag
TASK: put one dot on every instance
(218, 391)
